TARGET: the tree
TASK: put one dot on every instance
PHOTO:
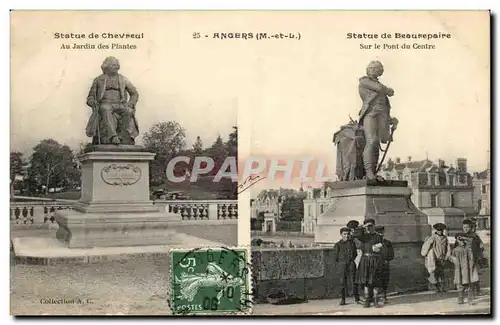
(16, 164)
(85, 147)
(166, 139)
(53, 165)
(198, 146)
(232, 147)
(218, 152)
(232, 143)
(16, 168)
(292, 208)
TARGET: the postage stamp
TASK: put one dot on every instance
(211, 281)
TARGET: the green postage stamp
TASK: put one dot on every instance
(213, 281)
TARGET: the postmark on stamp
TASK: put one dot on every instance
(212, 281)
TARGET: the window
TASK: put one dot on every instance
(433, 180)
(451, 180)
(321, 208)
(433, 200)
(442, 179)
(309, 210)
(483, 189)
(422, 179)
(461, 179)
(452, 200)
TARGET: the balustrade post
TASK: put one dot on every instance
(213, 211)
(38, 214)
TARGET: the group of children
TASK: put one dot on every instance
(372, 273)
(466, 254)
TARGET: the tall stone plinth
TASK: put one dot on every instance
(114, 208)
(388, 203)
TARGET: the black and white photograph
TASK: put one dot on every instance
(374, 196)
(250, 163)
(117, 140)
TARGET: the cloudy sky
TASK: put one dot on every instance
(442, 96)
(177, 78)
(287, 96)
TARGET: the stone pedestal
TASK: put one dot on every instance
(114, 208)
(388, 203)
(451, 217)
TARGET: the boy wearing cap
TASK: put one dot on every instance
(344, 255)
(436, 250)
(387, 252)
(370, 271)
(481, 259)
(466, 256)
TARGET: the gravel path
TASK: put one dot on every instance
(138, 287)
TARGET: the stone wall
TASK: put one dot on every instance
(221, 231)
(311, 273)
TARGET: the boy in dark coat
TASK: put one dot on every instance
(481, 259)
(370, 269)
(344, 255)
(387, 253)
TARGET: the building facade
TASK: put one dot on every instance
(444, 192)
(315, 203)
(268, 201)
(482, 192)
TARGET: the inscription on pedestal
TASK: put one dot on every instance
(391, 205)
(118, 175)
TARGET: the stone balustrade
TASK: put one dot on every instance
(27, 213)
(201, 209)
(43, 211)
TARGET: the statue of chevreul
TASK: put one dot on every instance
(113, 100)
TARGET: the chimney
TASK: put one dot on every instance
(390, 163)
(461, 165)
(409, 158)
(398, 160)
(440, 163)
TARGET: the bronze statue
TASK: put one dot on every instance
(375, 117)
(113, 100)
(350, 142)
(358, 143)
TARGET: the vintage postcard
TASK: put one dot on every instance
(250, 163)
(124, 135)
(369, 164)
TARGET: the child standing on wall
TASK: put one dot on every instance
(436, 251)
(344, 255)
(466, 256)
